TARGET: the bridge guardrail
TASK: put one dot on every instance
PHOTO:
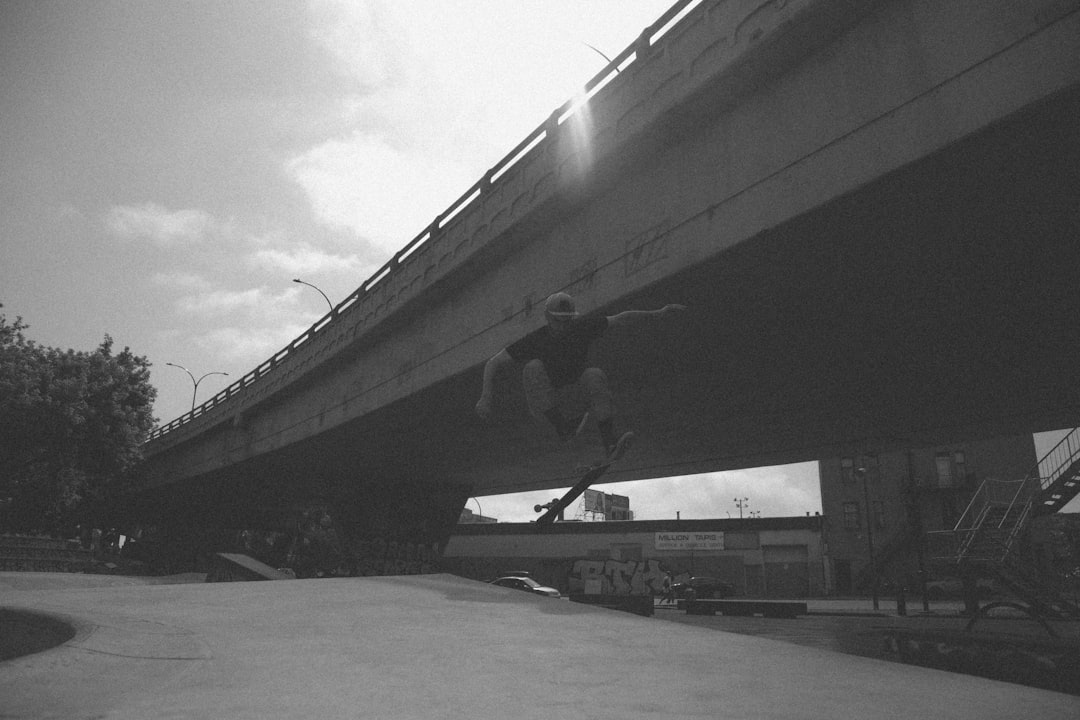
(639, 48)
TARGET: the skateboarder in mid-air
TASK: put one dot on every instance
(555, 359)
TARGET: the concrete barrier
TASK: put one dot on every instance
(637, 604)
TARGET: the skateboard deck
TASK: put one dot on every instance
(591, 475)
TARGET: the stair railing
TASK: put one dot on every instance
(961, 538)
(1018, 526)
(1017, 501)
(953, 544)
(979, 515)
(1058, 459)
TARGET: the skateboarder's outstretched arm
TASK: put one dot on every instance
(629, 317)
(491, 369)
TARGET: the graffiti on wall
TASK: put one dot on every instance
(315, 547)
(381, 557)
(617, 577)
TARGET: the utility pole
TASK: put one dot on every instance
(870, 536)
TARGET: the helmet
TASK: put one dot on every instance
(560, 305)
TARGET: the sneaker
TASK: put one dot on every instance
(616, 451)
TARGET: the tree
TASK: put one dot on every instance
(72, 424)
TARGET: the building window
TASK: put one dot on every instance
(959, 468)
(877, 509)
(851, 516)
(850, 467)
(847, 470)
(944, 470)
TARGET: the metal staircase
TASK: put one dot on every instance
(986, 539)
(1059, 475)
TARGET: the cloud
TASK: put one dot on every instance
(445, 92)
(338, 25)
(68, 211)
(217, 302)
(780, 491)
(163, 227)
(384, 194)
(246, 347)
(784, 490)
(307, 259)
(424, 130)
(180, 280)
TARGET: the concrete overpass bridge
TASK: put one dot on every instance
(872, 210)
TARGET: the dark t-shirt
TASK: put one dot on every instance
(564, 357)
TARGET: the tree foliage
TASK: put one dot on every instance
(72, 424)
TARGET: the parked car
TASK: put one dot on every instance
(703, 587)
(527, 584)
(953, 588)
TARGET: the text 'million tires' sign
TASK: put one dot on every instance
(689, 541)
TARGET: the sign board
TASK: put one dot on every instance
(617, 507)
(689, 541)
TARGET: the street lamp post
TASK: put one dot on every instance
(195, 391)
(741, 503)
(915, 518)
(302, 282)
(870, 536)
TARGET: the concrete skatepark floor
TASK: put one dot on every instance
(439, 646)
(853, 628)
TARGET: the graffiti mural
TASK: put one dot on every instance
(617, 577)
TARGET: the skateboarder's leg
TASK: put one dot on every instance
(598, 393)
(603, 409)
(539, 393)
(540, 396)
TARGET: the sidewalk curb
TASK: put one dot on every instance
(848, 613)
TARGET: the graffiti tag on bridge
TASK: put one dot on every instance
(648, 248)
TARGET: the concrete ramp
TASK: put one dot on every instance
(235, 567)
(437, 646)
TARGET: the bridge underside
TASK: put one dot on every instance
(936, 304)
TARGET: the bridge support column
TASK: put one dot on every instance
(400, 527)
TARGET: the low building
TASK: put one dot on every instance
(468, 517)
(760, 557)
(882, 505)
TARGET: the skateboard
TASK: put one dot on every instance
(592, 474)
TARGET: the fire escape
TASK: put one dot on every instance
(990, 535)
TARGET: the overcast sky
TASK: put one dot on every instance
(167, 169)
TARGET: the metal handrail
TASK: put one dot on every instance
(1014, 533)
(641, 47)
(1021, 487)
(971, 504)
(1045, 471)
(1059, 458)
